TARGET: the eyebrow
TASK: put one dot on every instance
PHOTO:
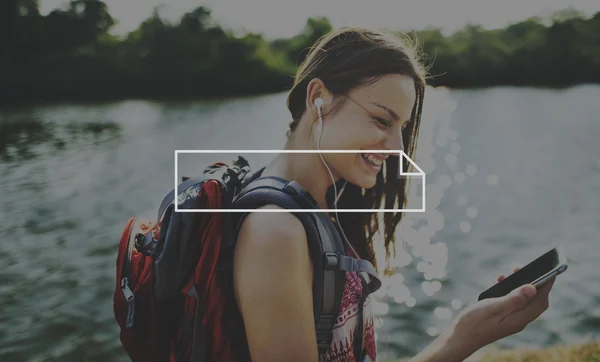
(393, 114)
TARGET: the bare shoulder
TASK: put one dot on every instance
(266, 230)
(272, 239)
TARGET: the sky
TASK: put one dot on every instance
(285, 18)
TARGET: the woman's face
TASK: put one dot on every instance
(371, 118)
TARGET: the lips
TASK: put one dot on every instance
(374, 159)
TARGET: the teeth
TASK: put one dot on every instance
(374, 160)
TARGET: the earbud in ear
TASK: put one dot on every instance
(319, 103)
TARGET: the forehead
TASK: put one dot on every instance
(395, 91)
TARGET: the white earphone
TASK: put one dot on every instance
(319, 103)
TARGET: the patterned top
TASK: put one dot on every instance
(345, 328)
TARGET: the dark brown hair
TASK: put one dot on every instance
(343, 60)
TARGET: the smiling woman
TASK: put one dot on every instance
(358, 89)
(372, 86)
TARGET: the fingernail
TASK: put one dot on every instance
(528, 291)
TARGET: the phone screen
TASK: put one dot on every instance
(529, 273)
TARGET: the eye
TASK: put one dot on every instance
(383, 122)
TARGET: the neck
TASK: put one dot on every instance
(307, 169)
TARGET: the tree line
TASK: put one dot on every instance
(69, 54)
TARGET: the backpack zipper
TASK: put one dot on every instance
(125, 289)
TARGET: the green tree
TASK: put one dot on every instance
(20, 30)
(70, 54)
(298, 46)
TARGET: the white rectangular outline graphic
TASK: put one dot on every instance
(419, 172)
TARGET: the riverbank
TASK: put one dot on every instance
(584, 352)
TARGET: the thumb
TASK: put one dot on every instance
(518, 298)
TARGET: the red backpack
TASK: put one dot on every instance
(173, 298)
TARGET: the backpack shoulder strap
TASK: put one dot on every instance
(325, 245)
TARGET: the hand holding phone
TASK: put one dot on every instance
(507, 307)
(539, 271)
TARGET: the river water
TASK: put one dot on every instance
(510, 173)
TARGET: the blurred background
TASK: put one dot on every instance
(96, 96)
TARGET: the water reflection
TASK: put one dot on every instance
(443, 313)
(492, 180)
(451, 159)
(425, 257)
(18, 136)
(25, 136)
(432, 331)
(459, 177)
(456, 304)
(446, 181)
(465, 226)
(472, 212)
(455, 147)
(471, 170)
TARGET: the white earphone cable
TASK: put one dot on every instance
(336, 198)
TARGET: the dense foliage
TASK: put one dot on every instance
(69, 54)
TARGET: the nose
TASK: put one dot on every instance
(394, 139)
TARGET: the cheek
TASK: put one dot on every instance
(343, 162)
(369, 138)
(355, 134)
(353, 161)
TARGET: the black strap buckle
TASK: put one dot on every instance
(324, 329)
(145, 244)
(293, 188)
(331, 261)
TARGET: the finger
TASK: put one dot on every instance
(544, 295)
(517, 299)
(516, 269)
(517, 319)
(541, 302)
(533, 310)
(538, 305)
(547, 286)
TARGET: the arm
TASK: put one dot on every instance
(443, 349)
(446, 348)
(273, 288)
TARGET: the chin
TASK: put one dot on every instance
(362, 180)
(359, 172)
(368, 183)
(364, 175)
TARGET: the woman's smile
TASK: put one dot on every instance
(373, 161)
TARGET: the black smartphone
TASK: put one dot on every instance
(537, 273)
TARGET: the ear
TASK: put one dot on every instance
(316, 89)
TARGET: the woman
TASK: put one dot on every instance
(357, 89)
